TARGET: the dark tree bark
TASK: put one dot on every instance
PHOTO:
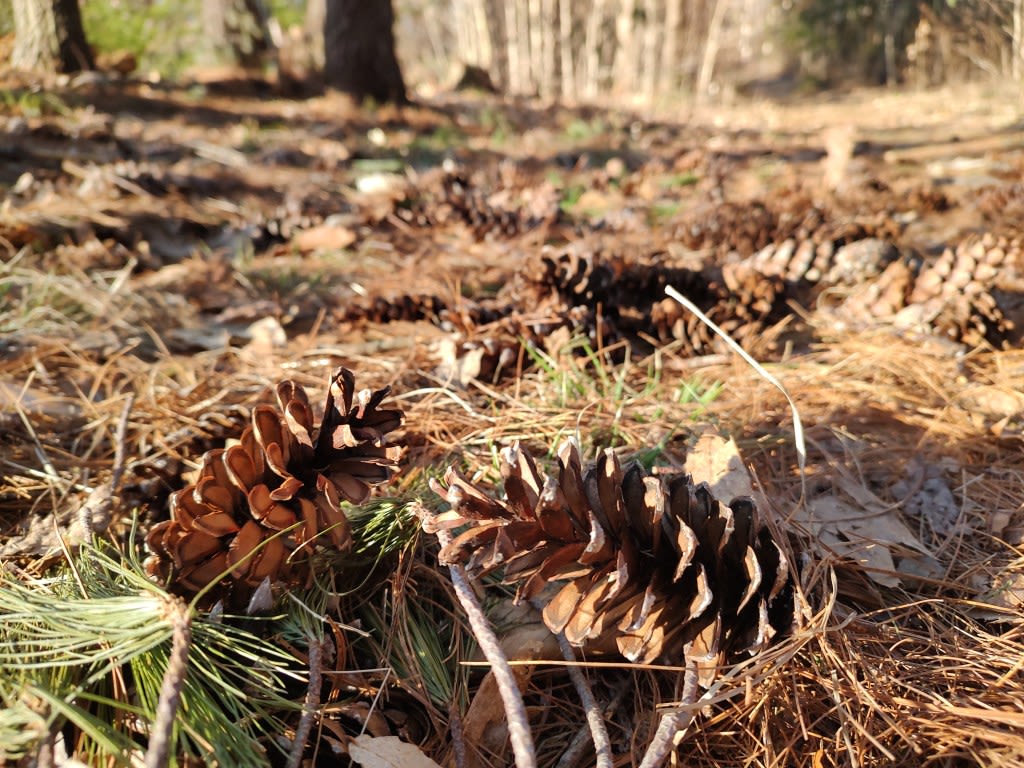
(359, 50)
(236, 31)
(48, 35)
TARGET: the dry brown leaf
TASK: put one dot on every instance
(868, 534)
(459, 366)
(928, 496)
(992, 401)
(324, 238)
(717, 462)
(1006, 594)
(267, 335)
(37, 402)
(387, 752)
(204, 337)
(527, 637)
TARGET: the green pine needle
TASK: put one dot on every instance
(96, 660)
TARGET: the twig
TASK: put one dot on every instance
(673, 723)
(119, 437)
(157, 753)
(310, 705)
(515, 709)
(458, 736)
(580, 741)
(595, 721)
(94, 514)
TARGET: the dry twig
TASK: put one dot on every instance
(157, 753)
(312, 701)
(515, 709)
(673, 723)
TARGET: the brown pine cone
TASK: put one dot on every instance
(285, 476)
(653, 568)
(955, 295)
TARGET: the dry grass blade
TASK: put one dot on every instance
(798, 429)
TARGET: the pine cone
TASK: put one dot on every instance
(742, 228)
(956, 291)
(402, 307)
(967, 294)
(1002, 205)
(283, 475)
(624, 295)
(653, 568)
(823, 264)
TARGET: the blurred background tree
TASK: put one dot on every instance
(359, 50)
(49, 35)
(634, 52)
(237, 31)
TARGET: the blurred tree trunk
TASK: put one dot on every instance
(48, 35)
(1016, 42)
(236, 31)
(313, 28)
(359, 50)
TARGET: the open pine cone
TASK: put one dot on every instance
(284, 474)
(655, 569)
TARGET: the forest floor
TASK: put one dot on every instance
(171, 252)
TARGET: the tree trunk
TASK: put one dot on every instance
(236, 31)
(359, 50)
(1017, 46)
(625, 61)
(668, 80)
(48, 35)
(313, 29)
(567, 67)
(711, 45)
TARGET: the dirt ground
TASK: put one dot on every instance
(170, 252)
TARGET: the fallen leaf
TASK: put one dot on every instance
(205, 337)
(458, 364)
(380, 183)
(37, 402)
(868, 533)
(992, 401)
(934, 502)
(717, 462)
(526, 636)
(325, 237)
(387, 752)
(1005, 595)
(267, 335)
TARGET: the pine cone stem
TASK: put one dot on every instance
(673, 722)
(515, 709)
